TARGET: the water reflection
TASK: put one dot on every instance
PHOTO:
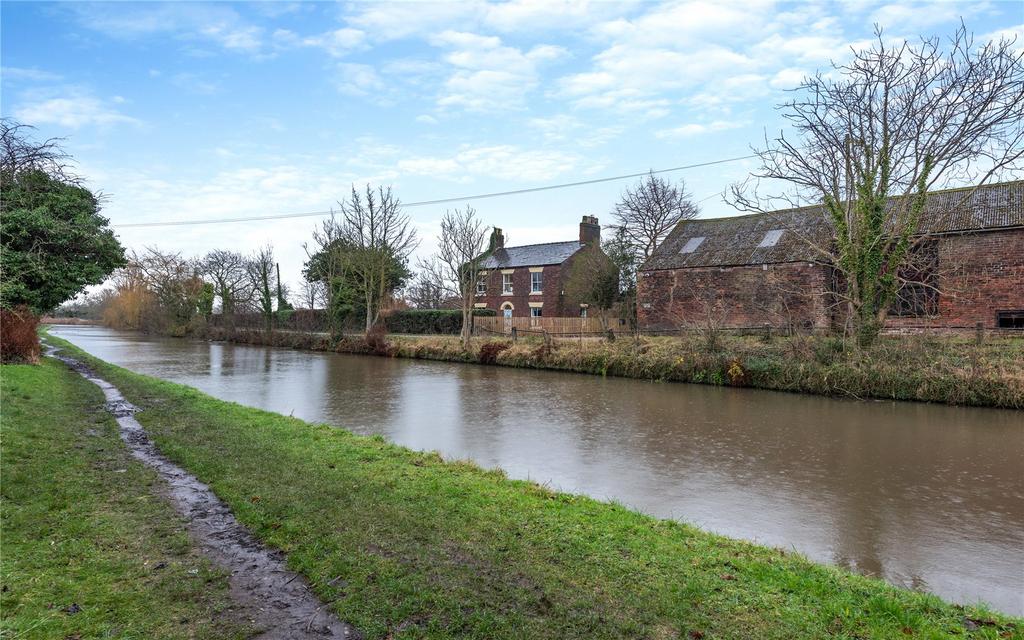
(926, 496)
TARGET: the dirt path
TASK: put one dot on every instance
(277, 600)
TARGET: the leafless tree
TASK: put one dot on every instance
(593, 279)
(313, 294)
(230, 278)
(260, 268)
(648, 211)
(457, 264)
(173, 279)
(428, 289)
(18, 153)
(376, 236)
(874, 136)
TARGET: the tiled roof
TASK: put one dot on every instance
(744, 240)
(531, 255)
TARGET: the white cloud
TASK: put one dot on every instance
(696, 129)
(538, 15)
(217, 23)
(29, 75)
(394, 20)
(488, 74)
(910, 18)
(337, 43)
(358, 79)
(74, 110)
(505, 162)
(426, 119)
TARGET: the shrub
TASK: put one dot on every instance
(19, 341)
(376, 341)
(489, 351)
(429, 321)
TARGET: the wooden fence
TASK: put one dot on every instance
(554, 326)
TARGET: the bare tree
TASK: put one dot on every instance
(429, 289)
(648, 211)
(457, 264)
(874, 136)
(313, 294)
(377, 239)
(230, 278)
(174, 280)
(260, 268)
(593, 279)
(18, 153)
(328, 266)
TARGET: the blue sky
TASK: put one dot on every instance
(195, 110)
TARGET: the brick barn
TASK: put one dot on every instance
(747, 271)
(529, 280)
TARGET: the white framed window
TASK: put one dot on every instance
(536, 312)
(583, 312)
(481, 285)
(506, 283)
(536, 281)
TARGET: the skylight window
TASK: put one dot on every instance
(770, 238)
(692, 244)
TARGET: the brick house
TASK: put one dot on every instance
(529, 281)
(747, 271)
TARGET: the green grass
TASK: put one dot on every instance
(82, 525)
(405, 545)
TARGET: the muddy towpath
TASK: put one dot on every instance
(277, 600)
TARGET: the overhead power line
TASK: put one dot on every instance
(424, 203)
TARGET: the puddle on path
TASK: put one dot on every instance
(278, 600)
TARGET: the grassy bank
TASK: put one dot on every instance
(88, 550)
(404, 544)
(946, 369)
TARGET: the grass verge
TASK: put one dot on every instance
(405, 545)
(89, 549)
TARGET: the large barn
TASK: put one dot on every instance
(752, 270)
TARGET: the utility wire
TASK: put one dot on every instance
(423, 203)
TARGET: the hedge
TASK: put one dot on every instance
(429, 321)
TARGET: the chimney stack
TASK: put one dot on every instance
(497, 240)
(590, 231)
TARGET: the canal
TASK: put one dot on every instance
(928, 497)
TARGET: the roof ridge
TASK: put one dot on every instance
(821, 204)
(540, 244)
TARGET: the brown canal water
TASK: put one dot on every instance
(929, 497)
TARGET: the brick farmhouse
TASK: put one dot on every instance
(752, 270)
(529, 280)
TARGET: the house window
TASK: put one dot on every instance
(536, 312)
(506, 283)
(583, 312)
(1010, 319)
(481, 285)
(536, 282)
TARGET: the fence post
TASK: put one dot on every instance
(979, 332)
(767, 332)
(515, 336)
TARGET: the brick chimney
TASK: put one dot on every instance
(590, 231)
(497, 240)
